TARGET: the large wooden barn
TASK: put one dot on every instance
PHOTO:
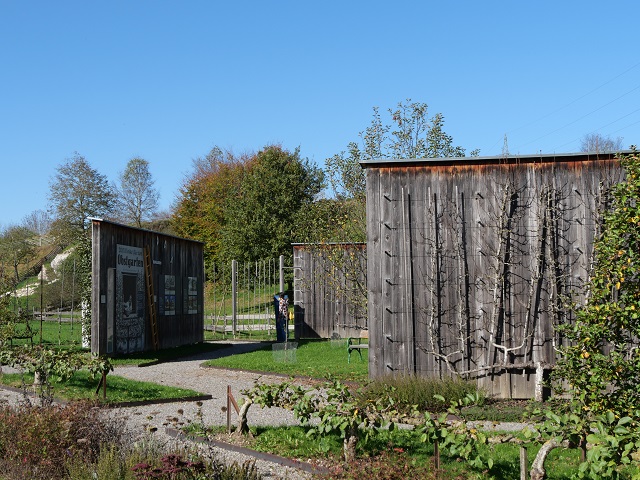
(472, 261)
(147, 290)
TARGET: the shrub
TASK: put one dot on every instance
(37, 442)
(84, 441)
(409, 391)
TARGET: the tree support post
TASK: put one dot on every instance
(523, 462)
(231, 401)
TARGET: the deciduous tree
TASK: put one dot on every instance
(411, 134)
(260, 219)
(38, 222)
(597, 143)
(78, 191)
(17, 247)
(137, 197)
(200, 211)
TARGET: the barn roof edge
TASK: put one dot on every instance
(497, 159)
(102, 220)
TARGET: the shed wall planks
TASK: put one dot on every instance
(330, 286)
(472, 263)
(177, 268)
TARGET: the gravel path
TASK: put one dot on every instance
(150, 422)
(188, 373)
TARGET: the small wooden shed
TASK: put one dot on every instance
(473, 261)
(147, 290)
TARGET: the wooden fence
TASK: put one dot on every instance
(240, 297)
(330, 290)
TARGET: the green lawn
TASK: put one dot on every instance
(313, 358)
(402, 453)
(55, 333)
(119, 389)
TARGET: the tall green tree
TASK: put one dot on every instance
(331, 220)
(137, 197)
(261, 218)
(200, 213)
(78, 191)
(411, 133)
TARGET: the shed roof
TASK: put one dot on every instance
(98, 221)
(493, 160)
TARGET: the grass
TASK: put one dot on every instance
(119, 390)
(257, 335)
(313, 358)
(55, 334)
(249, 301)
(399, 454)
(411, 391)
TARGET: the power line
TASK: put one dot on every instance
(582, 117)
(547, 115)
(600, 128)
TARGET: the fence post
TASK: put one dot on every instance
(234, 296)
(282, 273)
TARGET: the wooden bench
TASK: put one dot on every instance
(358, 344)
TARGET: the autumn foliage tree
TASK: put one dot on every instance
(200, 211)
(244, 207)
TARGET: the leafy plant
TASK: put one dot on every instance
(341, 410)
(38, 441)
(284, 395)
(331, 408)
(47, 363)
(456, 437)
(601, 363)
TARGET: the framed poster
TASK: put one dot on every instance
(169, 294)
(130, 305)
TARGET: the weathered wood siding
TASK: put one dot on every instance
(329, 290)
(471, 262)
(178, 276)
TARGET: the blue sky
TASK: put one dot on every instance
(167, 81)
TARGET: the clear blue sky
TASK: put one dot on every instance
(167, 81)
